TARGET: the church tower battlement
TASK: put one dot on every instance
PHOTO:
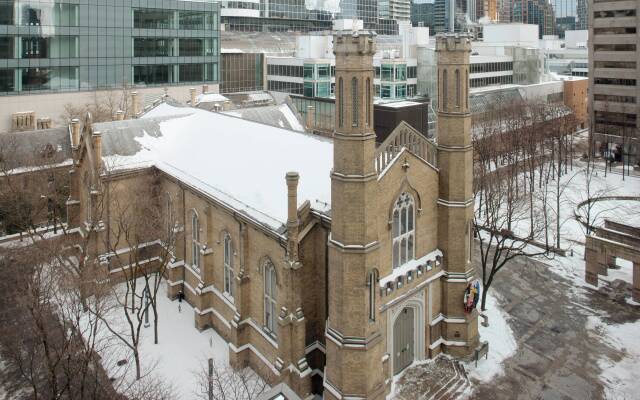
(354, 344)
(455, 202)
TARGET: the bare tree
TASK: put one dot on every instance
(226, 383)
(503, 212)
(139, 247)
(586, 211)
(102, 108)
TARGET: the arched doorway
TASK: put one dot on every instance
(403, 340)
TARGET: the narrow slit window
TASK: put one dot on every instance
(457, 88)
(341, 103)
(354, 101)
(444, 90)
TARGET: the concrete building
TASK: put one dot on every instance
(348, 261)
(310, 71)
(614, 78)
(568, 57)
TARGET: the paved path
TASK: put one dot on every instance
(556, 358)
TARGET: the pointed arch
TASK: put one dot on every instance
(445, 99)
(458, 88)
(196, 259)
(270, 289)
(466, 89)
(340, 103)
(372, 284)
(368, 121)
(168, 214)
(354, 101)
(229, 274)
(403, 230)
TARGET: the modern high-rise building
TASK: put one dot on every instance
(614, 76)
(422, 14)
(479, 9)
(569, 15)
(50, 46)
(444, 17)
(538, 12)
(582, 15)
(398, 10)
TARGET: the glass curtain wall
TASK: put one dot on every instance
(49, 47)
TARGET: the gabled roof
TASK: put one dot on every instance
(23, 151)
(238, 162)
(279, 116)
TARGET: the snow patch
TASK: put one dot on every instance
(181, 353)
(620, 377)
(502, 343)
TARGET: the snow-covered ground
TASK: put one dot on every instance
(502, 343)
(181, 353)
(620, 376)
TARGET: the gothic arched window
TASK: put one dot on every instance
(228, 265)
(195, 241)
(89, 207)
(169, 216)
(444, 90)
(270, 294)
(340, 103)
(354, 102)
(466, 89)
(403, 230)
(372, 283)
(457, 88)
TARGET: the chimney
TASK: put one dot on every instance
(96, 137)
(119, 115)
(44, 123)
(75, 132)
(205, 89)
(292, 216)
(310, 117)
(192, 92)
(134, 104)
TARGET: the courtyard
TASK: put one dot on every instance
(570, 340)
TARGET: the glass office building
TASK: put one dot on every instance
(67, 45)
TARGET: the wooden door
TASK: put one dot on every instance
(403, 346)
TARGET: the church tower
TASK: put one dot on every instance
(354, 343)
(455, 203)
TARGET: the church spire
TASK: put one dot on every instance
(455, 202)
(354, 340)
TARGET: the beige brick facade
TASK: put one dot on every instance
(339, 296)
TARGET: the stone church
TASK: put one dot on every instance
(329, 265)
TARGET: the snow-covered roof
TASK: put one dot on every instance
(211, 98)
(239, 162)
(280, 116)
(24, 151)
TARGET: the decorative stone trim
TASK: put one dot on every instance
(351, 342)
(409, 272)
(255, 351)
(317, 345)
(460, 204)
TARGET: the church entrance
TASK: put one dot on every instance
(403, 340)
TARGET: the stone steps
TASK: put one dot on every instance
(455, 387)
